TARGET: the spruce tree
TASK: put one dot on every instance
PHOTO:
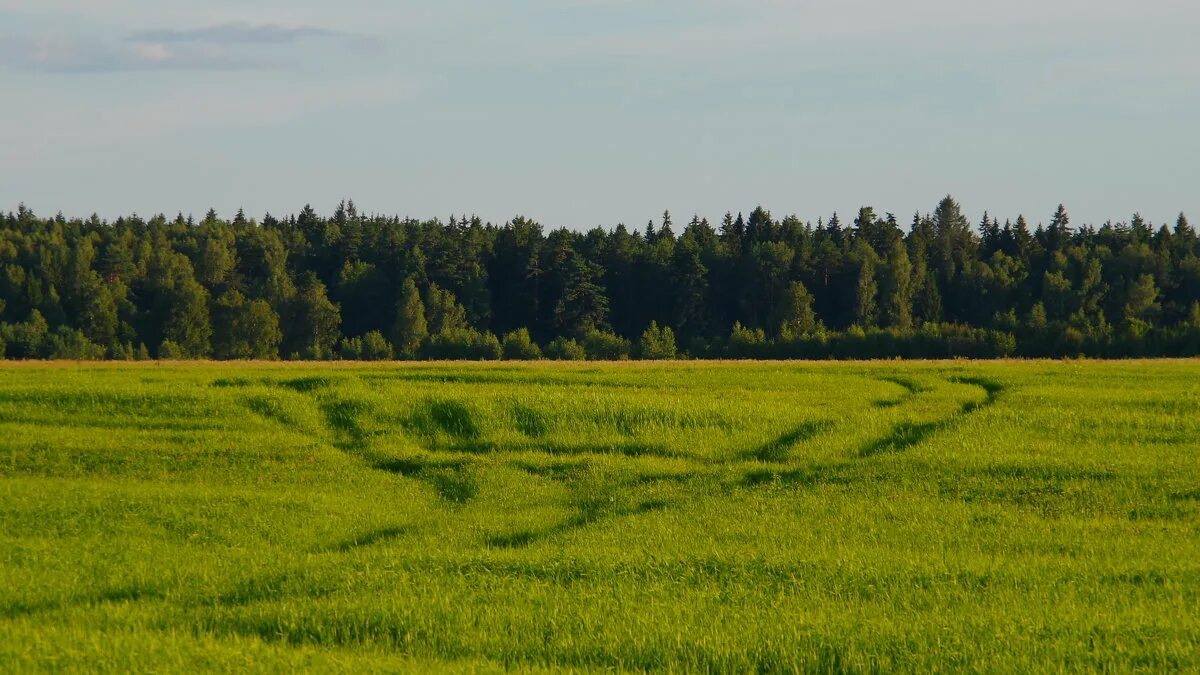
(583, 306)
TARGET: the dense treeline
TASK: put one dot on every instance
(356, 286)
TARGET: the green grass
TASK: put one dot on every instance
(726, 517)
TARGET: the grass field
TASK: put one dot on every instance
(736, 517)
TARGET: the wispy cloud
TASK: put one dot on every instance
(73, 54)
(217, 47)
(237, 34)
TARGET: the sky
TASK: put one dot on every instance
(596, 112)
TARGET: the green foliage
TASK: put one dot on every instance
(604, 346)
(305, 282)
(371, 347)
(245, 329)
(1141, 302)
(375, 347)
(583, 307)
(565, 349)
(169, 351)
(657, 343)
(410, 329)
(746, 343)
(795, 316)
(897, 288)
(27, 340)
(866, 310)
(188, 324)
(519, 346)
(466, 344)
(928, 305)
(68, 344)
(443, 313)
(316, 321)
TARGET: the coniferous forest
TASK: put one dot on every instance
(370, 287)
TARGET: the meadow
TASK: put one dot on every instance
(769, 517)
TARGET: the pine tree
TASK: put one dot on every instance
(1059, 232)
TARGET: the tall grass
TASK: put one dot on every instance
(724, 517)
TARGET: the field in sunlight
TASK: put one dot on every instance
(1025, 516)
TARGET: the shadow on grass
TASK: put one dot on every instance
(906, 435)
(586, 518)
(367, 539)
(120, 594)
(625, 449)
(778, 449)
(450, 479)
(806, 477)
(911, 389)
(903, 436)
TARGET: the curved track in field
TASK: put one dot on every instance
(452, 477)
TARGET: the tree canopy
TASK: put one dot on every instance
(365, 286)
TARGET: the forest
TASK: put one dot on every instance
(358, 286)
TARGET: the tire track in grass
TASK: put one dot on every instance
(779, 449)
(902, 437)
(122, 594)
(371, 538)
(344, 431)
(344, 427)
(906, 435)
(911, 387)
(592, 504)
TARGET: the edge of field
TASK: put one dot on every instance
(675, 363)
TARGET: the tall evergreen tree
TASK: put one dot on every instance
(583, 306)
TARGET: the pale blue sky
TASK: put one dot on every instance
(594, 112)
